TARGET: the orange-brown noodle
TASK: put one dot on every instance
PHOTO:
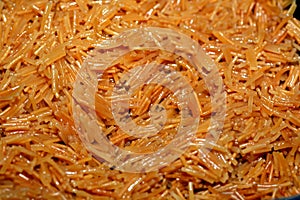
(255, 45)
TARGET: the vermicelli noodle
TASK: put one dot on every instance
(254, 44)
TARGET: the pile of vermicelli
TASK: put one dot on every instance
(255, 45)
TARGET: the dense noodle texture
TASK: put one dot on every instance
(255, 45)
